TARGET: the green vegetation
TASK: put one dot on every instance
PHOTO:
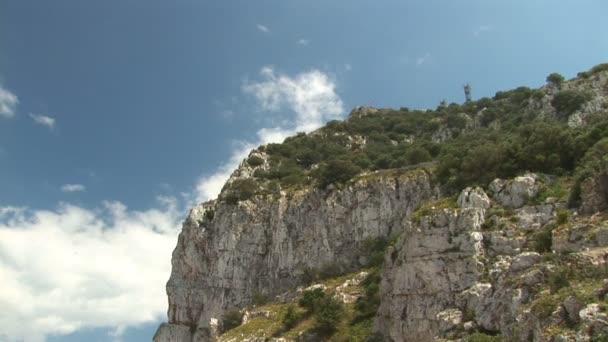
(255, 160)
(292, 317)
(367, 305)
(240, 190)
(562, 216)
(231, 320)
(555, 79)
(567, 102)
(542, 241)
(512, 139)
(557, 189)
(427, 208)
(329, 270)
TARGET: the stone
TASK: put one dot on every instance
(594, 194)
(573, 306)
(534, 277)
(593, 319)
(469, 326)
(533, 217)
(524, 261)
(601, 237)
(473, 198)
(514, 193)
(449, 319)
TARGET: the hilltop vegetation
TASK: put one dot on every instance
(472, 143)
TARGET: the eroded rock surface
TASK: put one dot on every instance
(226, 254)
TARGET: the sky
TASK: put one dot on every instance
(117, 116)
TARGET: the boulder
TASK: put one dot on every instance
(594, 194)
(524, 261)
(514, 193)
(473, 198)
(449, 319)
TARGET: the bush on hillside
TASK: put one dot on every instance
(555, 79)
(567, 102)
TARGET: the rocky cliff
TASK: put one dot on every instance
(472, 247)
(226, 254)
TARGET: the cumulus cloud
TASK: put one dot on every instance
(73, 188)
(43, 120)
(263, 28)
(8, 103)
(304, 42)
(71, 268)
(310, 98)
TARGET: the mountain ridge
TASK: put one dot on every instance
(314, 203)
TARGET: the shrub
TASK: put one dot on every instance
(241, 190)
(562, 216)
(328, 312)
(255, 160)
(456, 121)
(337, 171)
(231, 320)
(417, 155)
(292, 317)
(543, 240)
(309, 275)
(603, 337)
(368, 304)
(260, 299)
(599, 68)
(558, 280)
(567, 102)
(310, 298)
(555, 79)
(481, 337)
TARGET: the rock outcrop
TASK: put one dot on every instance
(228, 253)
(432, 262)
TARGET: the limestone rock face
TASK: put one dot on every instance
(173, 333)
(227, 253)
(362, 111)
(473, 198)
(594, 194)
(429, 265)
(514, 193)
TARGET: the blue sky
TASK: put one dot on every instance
(115, 116)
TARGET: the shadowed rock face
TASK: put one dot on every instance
(263, 246)
(594, 194)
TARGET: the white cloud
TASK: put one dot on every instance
(8, 103)
(304, 42)
(311, 98)
(423, 59)
(482, 29)
(263, 28)
(43, 120)
(73, 188)
(73, 268)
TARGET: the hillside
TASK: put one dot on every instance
(481, 221)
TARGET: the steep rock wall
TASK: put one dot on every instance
(226, 253)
